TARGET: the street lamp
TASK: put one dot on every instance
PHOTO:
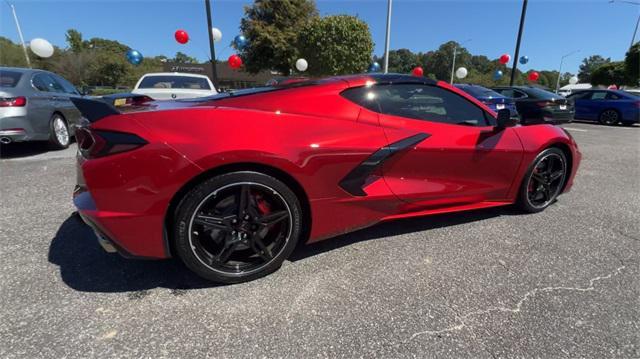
(560, 69)
(386, 40)
(635, 31)
(453, 64)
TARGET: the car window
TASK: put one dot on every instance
(9, 78)
(613, 96)
(46, 82)
(480, 92)
(598, 95)
(519, 94)
(579, 95)
(505, 92)
(174, 82)
(420, 102)
(66, 85)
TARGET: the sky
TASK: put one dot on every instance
(553, 28)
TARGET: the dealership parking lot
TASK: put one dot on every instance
(490, 283)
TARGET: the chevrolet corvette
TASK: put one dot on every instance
(231, 183)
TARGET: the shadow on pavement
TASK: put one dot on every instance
(23, 149)
(84, 266)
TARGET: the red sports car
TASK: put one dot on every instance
(232, 182)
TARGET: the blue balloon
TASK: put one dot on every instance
(524, 59)
(134, 57)
(374, 67)
(497, 75)
(240, 42)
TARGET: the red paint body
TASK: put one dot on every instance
(316, 137)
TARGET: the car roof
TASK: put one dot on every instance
(185, 74)
(22, 70)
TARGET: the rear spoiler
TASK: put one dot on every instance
(99, 107)
(94, 110)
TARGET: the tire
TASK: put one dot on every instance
(227, 239)
(59, 136)
(543, 181)
(609, 117)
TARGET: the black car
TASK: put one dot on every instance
(536, 105)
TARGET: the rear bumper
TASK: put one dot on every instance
(19, 129)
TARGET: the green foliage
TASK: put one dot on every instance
(439, 62)
(272, 28)
(336, 45)
(589, 64)
(632, 65)
(182, 58)
(609, 74)
(402, 61)
(11, 54)
(74, 39)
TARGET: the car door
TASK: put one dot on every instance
(594, 104)
(41, 103)
(580, 101)
(65, 91)
(452, 152)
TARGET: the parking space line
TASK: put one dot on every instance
(575, 129)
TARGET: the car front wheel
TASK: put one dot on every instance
(237, 227)
(543, 181)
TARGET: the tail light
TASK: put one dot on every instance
(13, 101)
(545, 103)
(99, 143)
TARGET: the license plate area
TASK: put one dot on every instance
(500, 106)
(563, 107)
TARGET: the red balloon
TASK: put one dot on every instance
(235, 61)
(181, 36)
(504, 59)
(534, 76)
(417, 71)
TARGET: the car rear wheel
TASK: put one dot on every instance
(59, 137)
(237, 227)
(609, 117)
(544, 181)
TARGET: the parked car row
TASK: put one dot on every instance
(35, 105)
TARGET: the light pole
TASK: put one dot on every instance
(515, 58)
(386, 41)
(560, 69)
(453, 64)
(24, 47)
(214, 71)
(635, 31)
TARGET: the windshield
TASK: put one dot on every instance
(542, 94)
(174, 82)
(9, 78)
(480, 92)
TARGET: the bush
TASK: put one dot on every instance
(336, 45)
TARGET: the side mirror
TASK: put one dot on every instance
(504, 119)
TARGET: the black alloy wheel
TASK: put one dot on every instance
(609, 117)
(544, 180)
(237, 227)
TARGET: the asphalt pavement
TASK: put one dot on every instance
(483, 284)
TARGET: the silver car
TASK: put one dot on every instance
(35, 105)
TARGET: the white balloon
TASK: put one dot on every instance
(461, 72)
(573, 80)
(41, 47)
(302, 65)
(217, 34)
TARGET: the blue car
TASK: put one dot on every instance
(492, 99)
(609, 107)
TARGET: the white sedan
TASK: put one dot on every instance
(174, 85)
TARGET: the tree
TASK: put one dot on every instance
(609, 74)
(336, 45)
(632, 65)
(183, 58)
(589, 64)
(402, 61)
(271, 28)
(439, 62)
(74, 39)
